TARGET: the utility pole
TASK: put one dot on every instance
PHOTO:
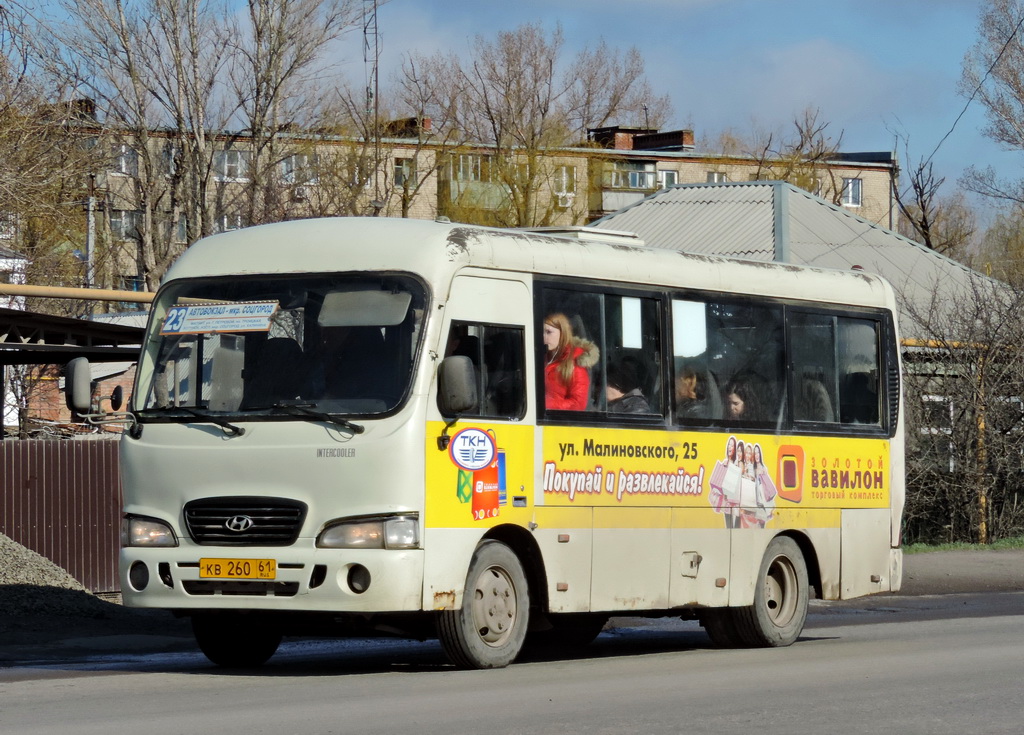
(90, 232)
(371, 61)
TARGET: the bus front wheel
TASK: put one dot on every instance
(488, 629)
(780, 598)
(236, 641)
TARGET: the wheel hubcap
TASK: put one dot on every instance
(780, 591)
(494, 606)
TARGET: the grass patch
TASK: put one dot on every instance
(1016, 542)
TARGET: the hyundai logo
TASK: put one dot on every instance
(238, 524)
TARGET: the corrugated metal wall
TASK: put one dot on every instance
(62, 499)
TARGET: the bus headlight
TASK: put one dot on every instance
(378, 532)
(140, 531)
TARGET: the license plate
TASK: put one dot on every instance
(237, 569)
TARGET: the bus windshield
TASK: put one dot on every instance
(288, 347)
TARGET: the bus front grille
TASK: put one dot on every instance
(244, 521)
(240, 588)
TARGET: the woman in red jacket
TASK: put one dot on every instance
(566, 374)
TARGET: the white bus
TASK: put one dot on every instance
(344, 426)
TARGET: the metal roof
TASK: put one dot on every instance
(29, 338)
(778, 221)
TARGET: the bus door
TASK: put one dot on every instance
(482, 475)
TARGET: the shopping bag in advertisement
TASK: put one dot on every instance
(766, 490)
(731, 484)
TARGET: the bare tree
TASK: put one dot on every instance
(965, 404)
(945, 224)
(280, 54)
(608, 87)
(993, 73)
(517, 96)
(803, 157)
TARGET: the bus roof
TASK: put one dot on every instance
(437, 250)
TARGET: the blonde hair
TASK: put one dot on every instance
(566, 363)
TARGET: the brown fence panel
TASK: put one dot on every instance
(62, 499)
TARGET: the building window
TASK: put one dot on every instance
(169, 157)
(564, 181)
(630, 175)
(852, 192)
(181, 230)
(125, 224)
(717, 177)
(126, 161)
(471, 167)
(300, 168)
(231, 165)
(226, 222)
(405, 173)
(667, 178)
(133, 283)
(936, 432)
(8, 225)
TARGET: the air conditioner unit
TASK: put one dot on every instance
(565, 200)
(300, 194)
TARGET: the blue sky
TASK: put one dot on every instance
(872, 67)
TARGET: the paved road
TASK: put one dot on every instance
(123, 632)
(879, 670)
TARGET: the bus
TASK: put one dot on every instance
(355, 426)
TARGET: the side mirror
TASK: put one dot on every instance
(78, 385)
(456, 386)
(117, 398)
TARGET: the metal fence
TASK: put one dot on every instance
(62, 499)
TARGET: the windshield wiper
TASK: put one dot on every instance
(223, 423)
(306, 410)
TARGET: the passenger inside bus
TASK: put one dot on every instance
(743, 400)
(567, 364)
(622, 389)
(696, 393)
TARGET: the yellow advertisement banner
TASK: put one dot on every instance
(488, 474)
(756, 472)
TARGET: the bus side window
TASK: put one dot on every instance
(696, 393)
(571, 349)
(812, 346)
(498, 357)
(746, 345)
(632, 347)
(858, 358)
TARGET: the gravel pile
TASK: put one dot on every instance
(31, 584)
(42, 607)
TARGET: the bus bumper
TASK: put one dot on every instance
(304, 580)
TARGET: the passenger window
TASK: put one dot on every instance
(728, 362)
(859, 374)
(696, 393)
(600, 353)
(498, 356)
(835, 369)
(632, 378)
(812, 344)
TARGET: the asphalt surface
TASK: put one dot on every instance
(109, 628)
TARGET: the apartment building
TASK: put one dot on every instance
(158, 194)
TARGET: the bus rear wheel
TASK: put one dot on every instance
(236, 641)
(780, 598)
(488, 629)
